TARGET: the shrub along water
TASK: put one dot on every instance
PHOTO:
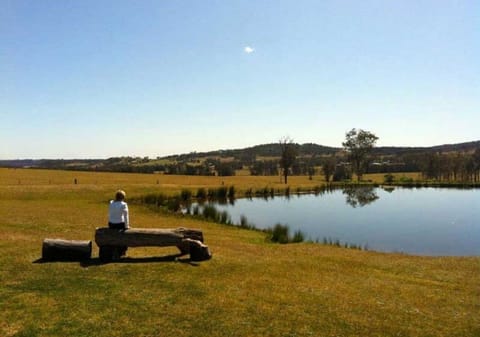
(156, 199)
(210, 212)
(201, 194)
(245, 224)
(186, 195)
(218, 193)
(280, 234)
(231, 192)
(224, 218)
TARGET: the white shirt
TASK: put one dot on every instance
(118, 212)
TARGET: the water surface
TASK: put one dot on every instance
(426, 221)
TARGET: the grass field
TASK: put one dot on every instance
(249, 288)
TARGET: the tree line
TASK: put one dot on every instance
(451, 167)
(357, 156)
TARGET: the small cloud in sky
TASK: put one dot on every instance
(248, 50)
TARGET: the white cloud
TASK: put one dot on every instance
(248, 50)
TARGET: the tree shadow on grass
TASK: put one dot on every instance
(92, 262)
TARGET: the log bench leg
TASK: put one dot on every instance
(106, 253)
(111, 253)
(198, 251)
(184, 248)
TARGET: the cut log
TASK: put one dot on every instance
(66, 250)
(141, 237)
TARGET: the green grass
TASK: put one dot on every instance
(249, 288)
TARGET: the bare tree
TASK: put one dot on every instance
(358, 144)
(288, 155)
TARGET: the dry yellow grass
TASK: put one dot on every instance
(249, 288)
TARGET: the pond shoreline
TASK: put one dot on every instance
(357, 196)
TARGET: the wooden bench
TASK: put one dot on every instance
(189, 241)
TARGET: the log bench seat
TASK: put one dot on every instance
(189, 241)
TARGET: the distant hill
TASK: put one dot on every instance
(264, 150)
(18, 163)
(273, 150)
(460, 147)
(50, 163)
(469, 146)
(249, 154)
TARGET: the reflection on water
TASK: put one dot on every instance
(360, 196)
(354, 195)
(388, 189)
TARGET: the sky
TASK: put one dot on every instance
(99, 79)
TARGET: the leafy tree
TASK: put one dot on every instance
(359, 144)
(265, 168)
(328, 167)
(288, 155)
(342, 172)
(257, 168)
(225, 169)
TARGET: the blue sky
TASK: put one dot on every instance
(96, 79)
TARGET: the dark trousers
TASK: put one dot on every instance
(120, 251)
(120, 225)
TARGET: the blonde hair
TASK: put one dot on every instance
(120, 195)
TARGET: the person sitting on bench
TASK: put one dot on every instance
(118, 216)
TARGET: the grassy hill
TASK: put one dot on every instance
(250, 288)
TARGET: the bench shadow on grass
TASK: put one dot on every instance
(85, 263)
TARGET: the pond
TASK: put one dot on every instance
(426, 221)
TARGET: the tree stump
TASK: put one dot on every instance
(66, 250)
